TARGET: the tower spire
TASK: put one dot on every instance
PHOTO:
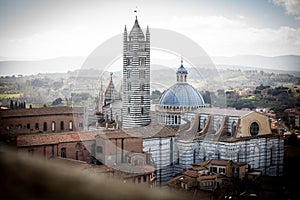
(111, 74)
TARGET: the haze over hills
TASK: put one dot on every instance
(288, 64)
(282, 63)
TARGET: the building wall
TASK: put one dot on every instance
(256, 152)
(263, 121)
(114, 150)
(164, 153)
(27, 124)
(73, 150)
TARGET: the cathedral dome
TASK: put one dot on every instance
(182, 94)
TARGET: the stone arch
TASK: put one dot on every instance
(256, 157)
(203, 154)
(233, 128)
(240, 156)
(273, 155)
(217, 154)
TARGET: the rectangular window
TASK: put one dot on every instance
(53, 126)
(99, 149)
(62, 126)
(63, 152)
(37, 126)
(221, 170)
(28, 126)
(45, 126)
(213, 169)
(70, 125)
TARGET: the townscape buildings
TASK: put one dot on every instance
(184, 132)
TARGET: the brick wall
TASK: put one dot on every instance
(73, 150)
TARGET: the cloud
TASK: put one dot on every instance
(292, 7)
(219, 35)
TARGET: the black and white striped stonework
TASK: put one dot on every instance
(136, 78)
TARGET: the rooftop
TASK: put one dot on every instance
(223, 111)
(26, 112)
(54, 138)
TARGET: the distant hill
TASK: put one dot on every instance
(282, 63)
(61, 65)
(288, 64)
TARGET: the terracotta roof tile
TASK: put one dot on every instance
(220, 111)
(54, 138)
(191, 173)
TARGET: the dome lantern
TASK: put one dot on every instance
(181, 73)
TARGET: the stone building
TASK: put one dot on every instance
(213, 133)
(120, 152)
(42, 120)
(72, 145)
(183, 130)
(209, 174)
(136, 77)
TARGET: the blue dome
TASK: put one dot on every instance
(181, 94)
(181, 70)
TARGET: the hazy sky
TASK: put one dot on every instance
(37, 29)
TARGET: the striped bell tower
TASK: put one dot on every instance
(136, 77)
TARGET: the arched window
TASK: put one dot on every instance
(217, 155)
(256, 158)
(37, 126)
(233, 128)
(128, 74)
(53, 126)
(254, 128)
(272, 156)
(142, 74)
(240, 156)
(45, 126)
(204, 122)
(203, 152)
(63, 152)
(142, 87)
(62, 125)
(129, 86)
(218, 125)
(129, 59)
(70, 125)
(142, 110)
